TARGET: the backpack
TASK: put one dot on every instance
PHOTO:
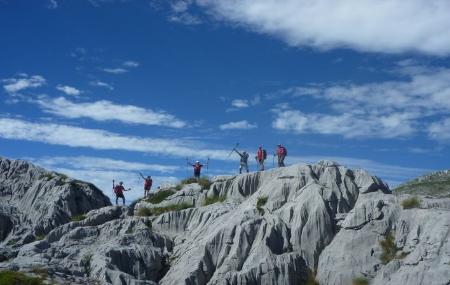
(283, 151)
(148, 183)
(264, 154)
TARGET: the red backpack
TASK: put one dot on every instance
(148, 183)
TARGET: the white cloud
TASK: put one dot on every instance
(440, 130)
(130, 63)
(348, 125)
(240, 125)
(240, 103)
(52, 4)
(387, 26)
(68, 90)
(380, 110)
(117, 70)
(108, 111)
(180, 13)
(100, 163)
(65, 135)
(14, 85)
(98, 83)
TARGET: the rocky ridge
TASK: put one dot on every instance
(282, 226)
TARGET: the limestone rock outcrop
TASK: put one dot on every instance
(282, 226)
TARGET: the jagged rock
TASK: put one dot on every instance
(105, 247)
(321, 217)
(34, 201)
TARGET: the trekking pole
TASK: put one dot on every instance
(273, 161)
(235, 147)
(113, 186)
(207, 167)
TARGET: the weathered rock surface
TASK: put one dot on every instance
(320, 218)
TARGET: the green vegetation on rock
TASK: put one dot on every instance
(18, 278)
(158, 197)
(160, 210)
(389, 249)
(360, 281)
(214, 199)
(78, 218)
(203, 181)
(411, 203)
(434, 184)
(260, 203)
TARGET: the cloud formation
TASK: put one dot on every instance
(68, 90)
(58, 134)
(386, 26)
(117, 70)
(108, 111)
(102, 84)
(14, 85)
(387, 109)
(240, 125)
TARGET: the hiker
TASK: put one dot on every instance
(281, 153)
(118, 190)
(244, 160)
(147, 184)
(261, 155)
(197, 169)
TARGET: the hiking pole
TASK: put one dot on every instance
(113, 186)
(273, 161)
(207, 166)
(235, 147)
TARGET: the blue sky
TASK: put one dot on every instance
(103, 89)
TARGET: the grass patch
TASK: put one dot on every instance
(18, 278)
(78, 218)
(411, 203)
(311, 278)
(40, 271)
(158, 197)
(39, 237)
(389, 249)
(47, 176)
(203, 181)
(213, 200)
(12, 242)
(260, 203)
(360, 281)
(160, 210)
(86, 264)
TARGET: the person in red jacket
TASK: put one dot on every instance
(261, 155)
(118, 190)
(281, 153)
(197, 169)
(147, 184)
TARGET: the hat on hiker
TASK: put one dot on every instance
(120, 182)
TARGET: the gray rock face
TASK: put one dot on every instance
(273, 227)
(34, 201)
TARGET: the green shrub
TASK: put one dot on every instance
(311, 278)
(388, 248)
(18, 278)
(360, 281)
(78, 218)
(411, 203)
(158, 197)
(40, 271)
(203, 181)
(160, 210)
(260, 203)
(47, 176)
(213, 200)
(39, 237)
(86, 264)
